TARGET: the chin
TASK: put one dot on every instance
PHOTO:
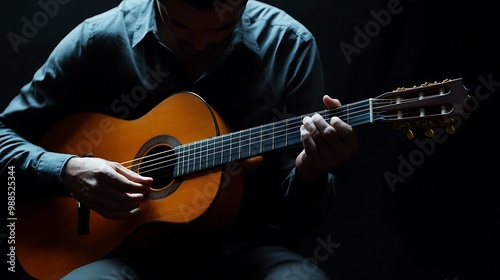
(192, 52)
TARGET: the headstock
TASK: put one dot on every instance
(423, 107)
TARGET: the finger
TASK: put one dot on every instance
(326, 132)
(120, 181)
(322, 133)
(331, 102)
(307, 132)
(111, 192)
(108, 207)
(132, 176)
(346, 133)
(327, 141)
(307, 128)
(335, 142)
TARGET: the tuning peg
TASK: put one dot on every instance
(450, 129)
(429, 132)
(409, 134)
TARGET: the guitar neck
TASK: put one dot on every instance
(252, 142)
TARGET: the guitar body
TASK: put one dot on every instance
(49, 244)
(194, 160)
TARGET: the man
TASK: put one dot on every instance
(252, 63)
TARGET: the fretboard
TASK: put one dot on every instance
(252, 142)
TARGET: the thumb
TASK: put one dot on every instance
(331, 102)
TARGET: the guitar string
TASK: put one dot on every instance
(271, 129)
(194, 156)
(143, 163)
(326, 114)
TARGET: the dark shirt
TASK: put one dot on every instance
(115, 63)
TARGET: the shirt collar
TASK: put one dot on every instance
(145, 22)
(243, 33)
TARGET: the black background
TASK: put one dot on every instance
(441, 221)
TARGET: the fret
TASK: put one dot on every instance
(189, 155)
(267, 139)
(272, 137)
(348, 115)
(245, 143)
(238, 143)
(255, 141)
(225, 148)
(176, 172)
(183, 160)
(286, 132)
(293, 132)
(187, 158)
(279, 135)
(371, 110)
(203, 155)
(341, 112)
(250, 142)
(209, 153)
(218, 150)
(229, 148)
(214, 151)
(234, 148)
(196, 156)
(261, 140)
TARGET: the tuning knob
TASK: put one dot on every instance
(409, 134)
(450, 129)
(429, 132)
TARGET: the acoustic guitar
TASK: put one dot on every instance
(197, 164)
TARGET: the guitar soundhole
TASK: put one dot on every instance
(158, 164)
(156, 159)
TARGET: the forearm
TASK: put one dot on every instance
(38, 169)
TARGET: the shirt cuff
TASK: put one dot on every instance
(50, 167)
(307, 189)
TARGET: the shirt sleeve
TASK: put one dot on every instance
(51, 95)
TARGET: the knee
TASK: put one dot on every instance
(297, 270)
(104, 269)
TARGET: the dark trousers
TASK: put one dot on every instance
(265, 262)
